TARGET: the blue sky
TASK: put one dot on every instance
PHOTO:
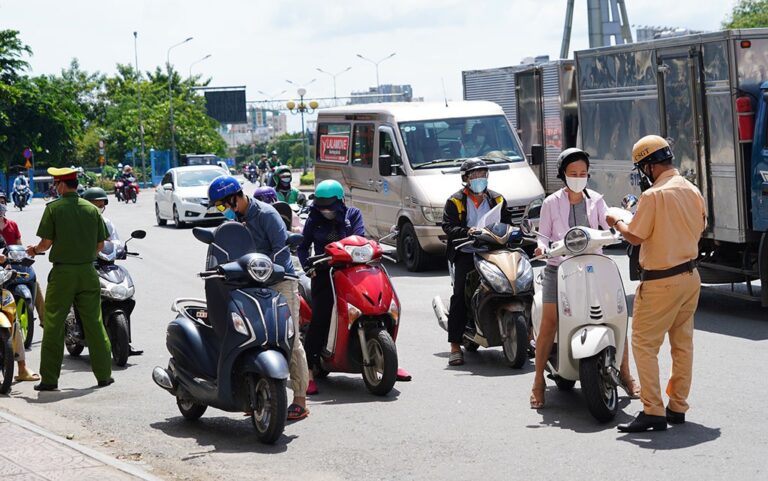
(261, 43)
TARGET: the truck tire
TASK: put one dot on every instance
(408, 249)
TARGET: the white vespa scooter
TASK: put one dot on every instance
(592, 317)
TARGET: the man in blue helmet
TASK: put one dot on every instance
(269, 235)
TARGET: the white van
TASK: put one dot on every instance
(399, 163)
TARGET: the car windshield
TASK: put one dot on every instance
(437, 143)
(197, 178)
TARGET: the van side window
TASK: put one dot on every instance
(362, 141)
(332, 143)
(388, 147)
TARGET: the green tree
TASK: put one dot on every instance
(748, 14)
(12, 52)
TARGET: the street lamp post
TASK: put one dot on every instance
(270, 98)
(138, 96)
(196, 62)
(334, 75)
(376, 63)
(170, 98)
(302, 108)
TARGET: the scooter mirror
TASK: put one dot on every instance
(294, 240)
(526, 227)
(629, 202)
(139, 234)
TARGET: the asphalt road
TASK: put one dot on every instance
(471, 422)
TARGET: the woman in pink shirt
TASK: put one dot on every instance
(570, 206)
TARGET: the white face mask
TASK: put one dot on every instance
(576, 184)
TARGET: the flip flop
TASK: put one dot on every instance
(296, 412)
(29, 376)
(537, 397)
(403, 375)
(456, 359)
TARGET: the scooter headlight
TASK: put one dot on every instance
(524, 276)
(117, 292)
(576, 240)
(16, 255)
(260, 268)
(353, 313)
(394, 311)
(360, 254)
(239, 324)
(494, 277)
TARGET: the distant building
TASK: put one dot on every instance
(262, 125)
(385, 93)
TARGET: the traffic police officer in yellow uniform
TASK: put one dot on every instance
(667, 226)
(76, 231)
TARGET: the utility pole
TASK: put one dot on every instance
(141, 121)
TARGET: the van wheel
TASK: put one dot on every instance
(416, 259)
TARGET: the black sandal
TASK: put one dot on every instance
(296, 412)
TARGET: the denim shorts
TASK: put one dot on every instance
(549, 285)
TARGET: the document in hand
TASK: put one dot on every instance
(491, 217)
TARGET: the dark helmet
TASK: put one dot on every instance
(566, 157)
(265, 194)
(472, 164)
(222, 187)
(95, 193)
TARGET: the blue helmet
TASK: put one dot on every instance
(222, 187)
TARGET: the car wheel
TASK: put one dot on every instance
(177, 222)
(160, 220)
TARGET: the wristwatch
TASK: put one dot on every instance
(617, 222)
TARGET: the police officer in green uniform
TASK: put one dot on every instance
(76, 231)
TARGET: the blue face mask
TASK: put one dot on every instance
(478, 186)
(230, 214)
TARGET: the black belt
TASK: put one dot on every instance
(688, 266)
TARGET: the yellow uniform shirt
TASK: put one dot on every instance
(670, 219)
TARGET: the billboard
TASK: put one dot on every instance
(334, 148)
(226, 106)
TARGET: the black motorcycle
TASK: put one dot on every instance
(232, 350)
(117, 303)
(23, 289)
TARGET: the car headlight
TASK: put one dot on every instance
(576, 240)
(195, 200)
(360, 254)
(260, 268)
(524, 275)
(494, 277)
(432, 214)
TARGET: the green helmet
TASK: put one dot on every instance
(95, 193)
(327, 192)
(282, 169)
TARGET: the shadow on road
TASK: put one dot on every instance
(485, 362)
(399, 270)
(568, 410)
(56, 396)
(347, 389)
(677, 437)
(224, 434)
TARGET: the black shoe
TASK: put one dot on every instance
(643, 422)
(134, 352)
(675, 418)
(46, 387)
(106, 382)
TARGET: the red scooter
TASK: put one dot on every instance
(366, 315)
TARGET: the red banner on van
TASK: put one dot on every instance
(334, 148)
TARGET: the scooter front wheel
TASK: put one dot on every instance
(381, 375)
(6, 360)
(597, 385)
(189, 409)
(269, 407)
(515, 343)
(118, 337)
(25, 321)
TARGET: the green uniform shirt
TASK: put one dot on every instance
(290, 197)
(75, 226)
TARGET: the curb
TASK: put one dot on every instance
(102, 458)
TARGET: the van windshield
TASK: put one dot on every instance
(437, 143)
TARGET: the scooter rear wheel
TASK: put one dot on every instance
(190, 410)
(269, 407)
(380, 377)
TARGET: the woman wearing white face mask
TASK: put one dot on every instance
(573, 205)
